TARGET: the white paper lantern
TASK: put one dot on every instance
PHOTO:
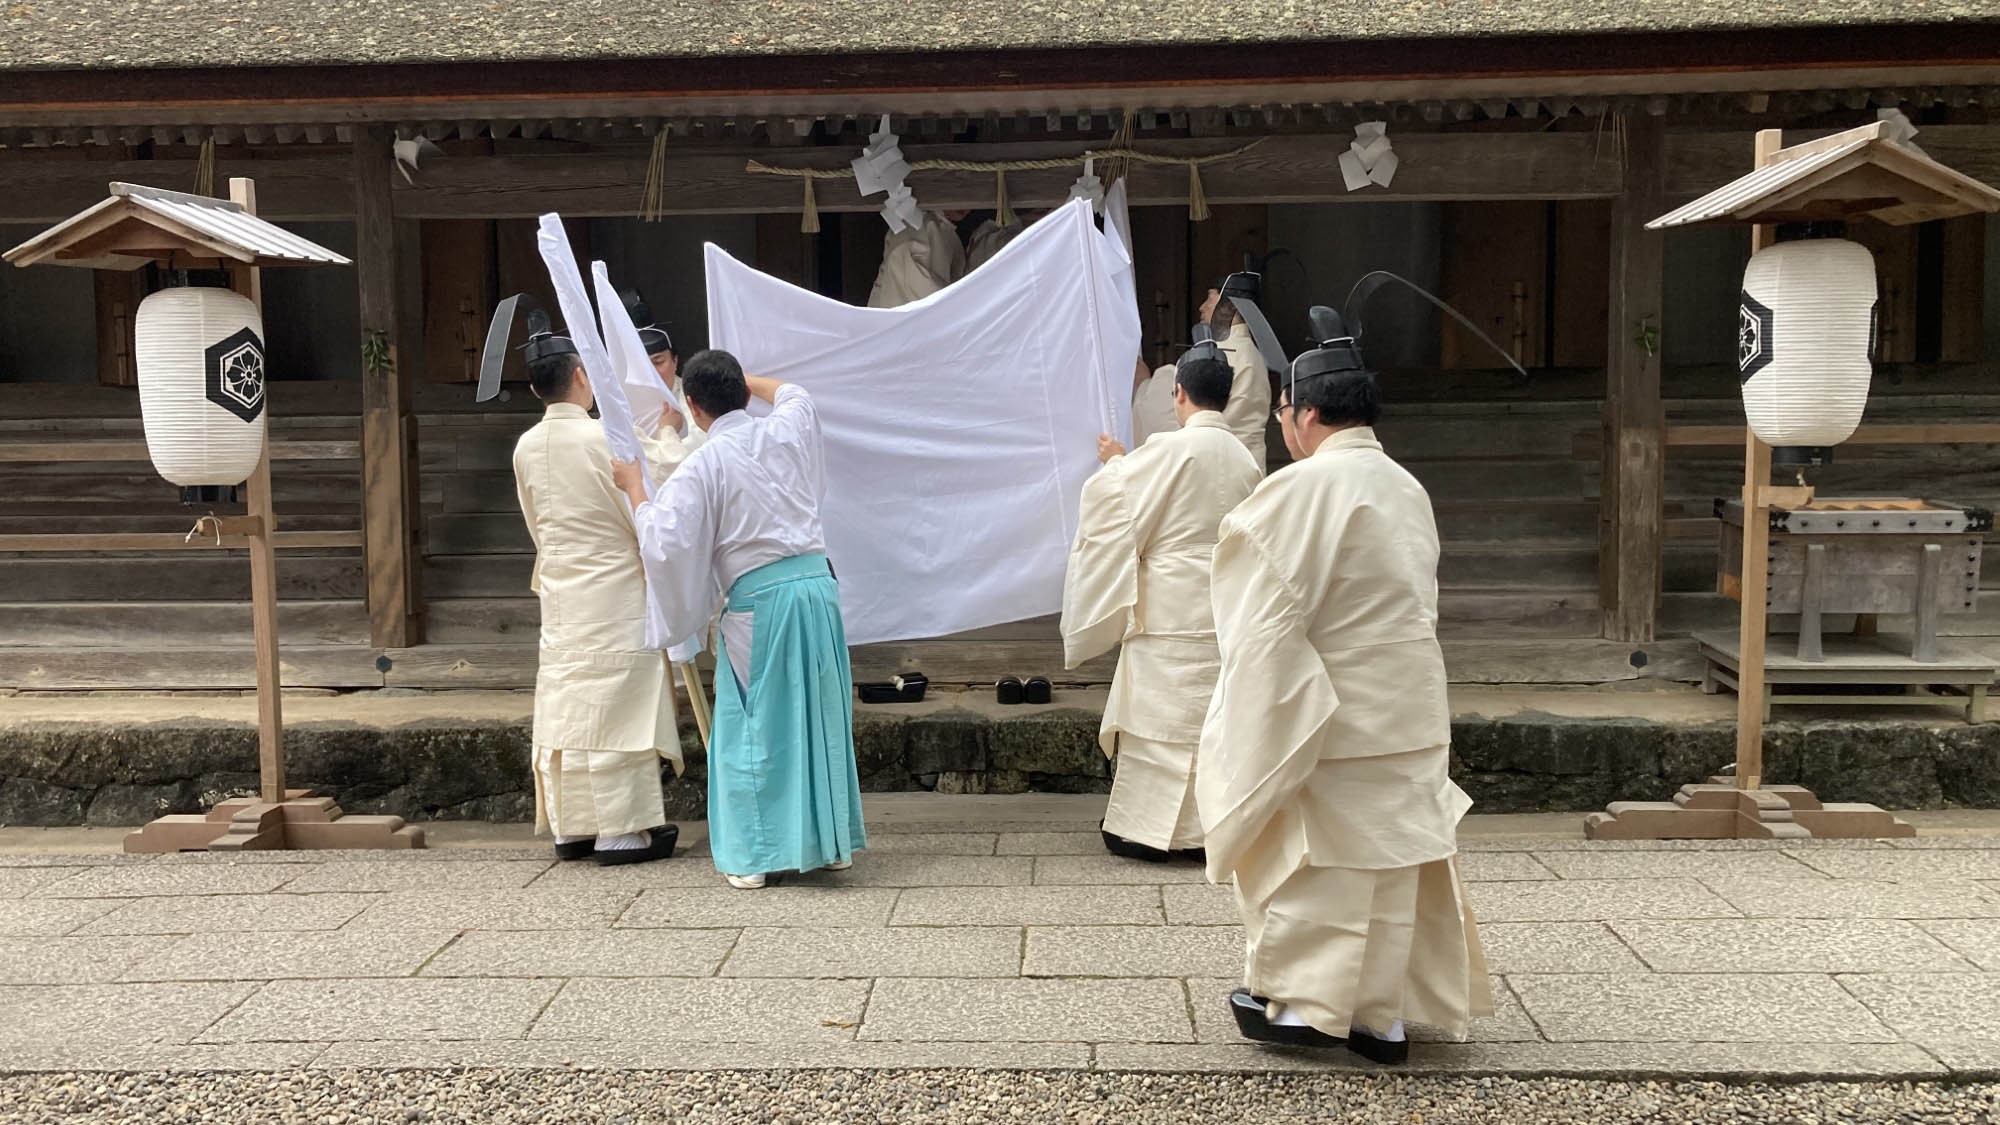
(1804, 337)
(200, 359)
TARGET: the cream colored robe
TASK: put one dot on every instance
(987, 239)
(1322, 778)
(1153, 406)
(604, 703)
(917, 263)
(1138, 577)
(1249, 411)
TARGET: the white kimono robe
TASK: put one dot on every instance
(1249, 411)
(1322, 778)
(987, 239)
(917, 263)
(1138, 577)
(604, 703)
(1153, 406)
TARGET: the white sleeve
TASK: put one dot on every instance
(677, 536)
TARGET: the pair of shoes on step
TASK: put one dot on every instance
(1010, 690)
(1253, 1023)
(758, 882)
(1144, 853)
(660, 846)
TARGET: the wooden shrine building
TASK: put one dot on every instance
(1535, 142)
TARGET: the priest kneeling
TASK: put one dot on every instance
(1322, 778)
(1138, 578)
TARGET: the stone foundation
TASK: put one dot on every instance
(69, 773)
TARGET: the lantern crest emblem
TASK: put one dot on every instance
(1753, 337)
(235, 368)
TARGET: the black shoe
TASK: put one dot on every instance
(662, 847)
(1251, 1023)
(1192, 855)
(576, 849)
(1384, 1051)
(1007, 691)
(1037, 690)
(1120, 846)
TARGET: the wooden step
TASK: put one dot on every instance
(175, 624)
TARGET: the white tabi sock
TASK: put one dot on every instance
(1395, 1034)
(1283, 1016)
(627, 841)
(561, 839)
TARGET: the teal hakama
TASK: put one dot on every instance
(782, 790)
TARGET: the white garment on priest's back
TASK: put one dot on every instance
(917, 263)
(959, 429)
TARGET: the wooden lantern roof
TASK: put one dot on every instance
(137, 225)
(1856, 174)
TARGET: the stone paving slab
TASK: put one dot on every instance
(1852, 898)
(1501, 867)
(725, 907)
(681, 871)
(97, 1015)
(1133, 951)
(18, 882)
(1904, 866)
(1975, 939)
(1713, 1008)
(296, 1011)
(477, 875)
(530, 909)
(51, 917)
(73, 960)
(1029, 906)
(584, 953)
(1556, 947)
(148, 880)
(706, 1011)
(1050, 843)
(931, 843)
(627, 1052)
(1068, 1011)
(276, 956)
(921, 871)
(173, 1058)
(1788, 945)
(1110, 870)
(1930, 1007)
(1201, 905)
(1593, 899)
(913, 951)
(1674, 865)
(195, 914)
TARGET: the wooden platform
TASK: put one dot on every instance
(1880, 661)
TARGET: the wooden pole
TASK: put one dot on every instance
(1633, 535)
(1755, 586)
(248, 281)
(387, 467)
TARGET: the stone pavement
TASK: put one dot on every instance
(979, 932)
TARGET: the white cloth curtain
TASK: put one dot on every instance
(959, 428)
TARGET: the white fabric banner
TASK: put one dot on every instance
(959, 428)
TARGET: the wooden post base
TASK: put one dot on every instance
(1721, 811)
(301, 821)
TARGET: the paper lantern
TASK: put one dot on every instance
(1804, 338)
(199, 353)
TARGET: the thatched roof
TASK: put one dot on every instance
(118, 34)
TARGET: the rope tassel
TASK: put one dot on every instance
(1003, 210)
(653, 204)
(204, 168)
(809, 221)
(1197, 198)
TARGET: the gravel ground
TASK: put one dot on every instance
(333, 1097)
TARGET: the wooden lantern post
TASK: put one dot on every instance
(1852, 174)
(137, 225)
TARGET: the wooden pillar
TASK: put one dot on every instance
(388, 431)
(1631, 540)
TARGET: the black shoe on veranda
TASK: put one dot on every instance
(661, 847)
(1252, 1023)
(1385, 1051)
(576, 849)
(1120, 846)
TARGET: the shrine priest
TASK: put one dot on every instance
(1138, 578)
(1248, 413)
(604, 703)
(664, 356)
(740, 523)
(1321, 777)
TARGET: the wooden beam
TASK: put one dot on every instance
(1961, 329)
(118, 293)
(171, 541)
(113, 451)
(1631, 542)
(1921, 433)
(388, 462)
